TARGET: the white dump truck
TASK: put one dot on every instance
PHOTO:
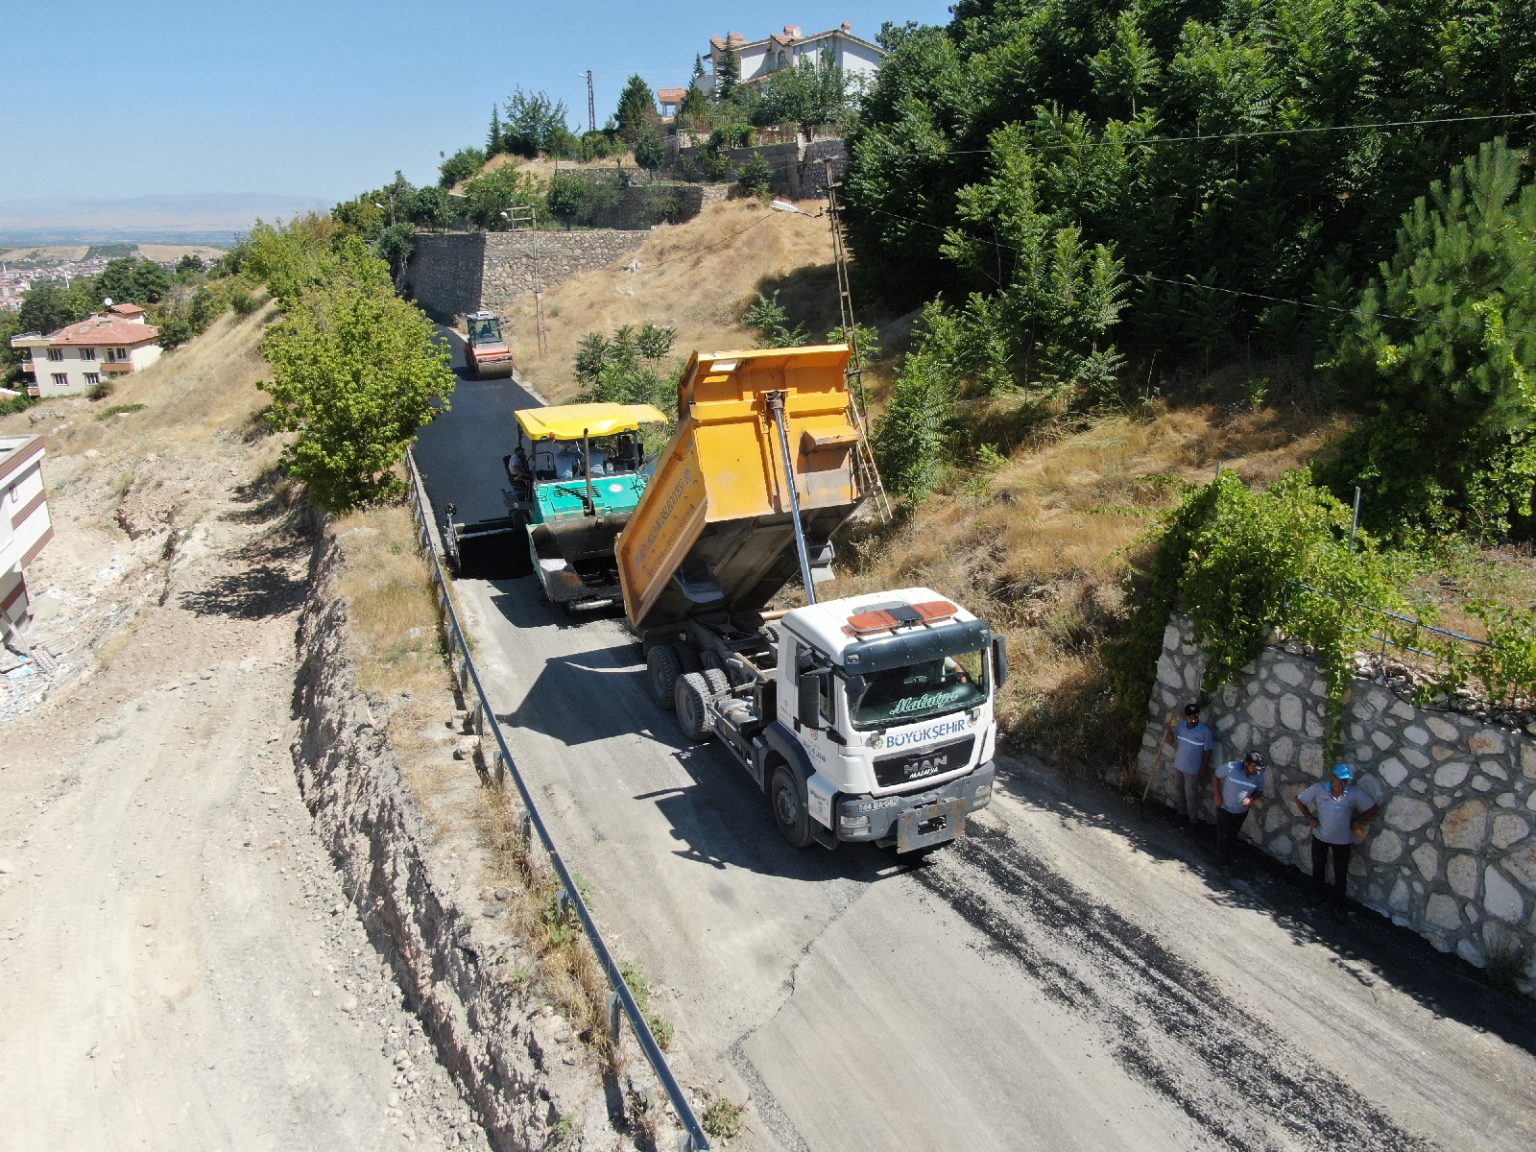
(868, 718)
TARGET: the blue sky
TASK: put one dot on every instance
(328, 98)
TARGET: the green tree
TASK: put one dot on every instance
(394, 244)
(650, 149)
(563, 143)
(117, 279)
(637, 109)
(1126, 70)
(305, 253)
(493, 134)
(492, 196)
(151, 282)
(610, 369)
(768, 317)
(1443, 356)
(694, 108)
(755, 177)
(190, 266)
(568, 197)
(813, 95)
(355, 373)
(729, 78)
(48, 306)
(465, 164)
(655, 341)
(911, 439)
(532, 121)
(431, 207)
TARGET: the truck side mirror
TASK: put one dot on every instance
(1000, 660)
(810, 686)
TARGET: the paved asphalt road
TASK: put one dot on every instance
(1067, 978)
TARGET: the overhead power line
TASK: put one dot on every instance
(1264, 133)
(1358, 312)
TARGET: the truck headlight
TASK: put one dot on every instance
(853, 822)
(982, 796)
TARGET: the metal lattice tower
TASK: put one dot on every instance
(869, 473)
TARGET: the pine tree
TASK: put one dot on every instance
(493, 140)
(1444, 351)
(637, 108)
(729, 78)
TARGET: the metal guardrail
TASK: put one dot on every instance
(1385, 639)
(693, 1139)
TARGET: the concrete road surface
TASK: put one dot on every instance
(1069, 977)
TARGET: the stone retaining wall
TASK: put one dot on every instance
(446, 272)
(799, 169)
(1450, 855)
(450, 275)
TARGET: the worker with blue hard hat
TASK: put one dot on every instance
(1337, 812)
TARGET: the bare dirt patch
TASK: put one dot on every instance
(184, 968)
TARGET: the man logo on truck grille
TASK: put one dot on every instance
(920, 768)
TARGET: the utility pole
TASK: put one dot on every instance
(591, 107)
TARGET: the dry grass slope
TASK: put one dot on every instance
(698, 277)
(1039, 547)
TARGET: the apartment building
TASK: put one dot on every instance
(80, 356)
(858, 59)
(24, 525)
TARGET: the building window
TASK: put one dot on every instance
(61, 379)
(92, 378)
(117, 354)
(87, 353)
(55, 354)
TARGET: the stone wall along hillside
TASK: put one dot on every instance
(1451, 854)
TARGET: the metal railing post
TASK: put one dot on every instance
(693, 1138)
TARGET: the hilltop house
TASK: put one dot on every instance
(858, 58)
(79, 356)
(24, 527)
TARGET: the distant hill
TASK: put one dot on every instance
(215, 218)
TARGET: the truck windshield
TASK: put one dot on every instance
(917, 691)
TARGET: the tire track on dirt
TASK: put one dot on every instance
(1164, 1020)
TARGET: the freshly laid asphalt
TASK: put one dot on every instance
(1068, 977)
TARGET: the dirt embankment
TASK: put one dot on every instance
(208, 941)
(418, 875)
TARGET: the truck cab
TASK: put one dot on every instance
(893, 708)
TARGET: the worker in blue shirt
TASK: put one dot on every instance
(1193, 745)
(1337, 812)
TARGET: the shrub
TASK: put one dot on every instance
(1243, 564)
(755, 178)
(99, 391)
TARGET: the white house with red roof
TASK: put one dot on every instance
(24, 525)
(80, 356)
(756, 59)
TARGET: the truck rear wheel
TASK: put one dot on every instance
(786, 797)
(664, 667)
(691, 700)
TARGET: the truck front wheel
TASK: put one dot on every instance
(664, 667)
(786, 796)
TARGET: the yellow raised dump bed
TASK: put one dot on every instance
(715, 528)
